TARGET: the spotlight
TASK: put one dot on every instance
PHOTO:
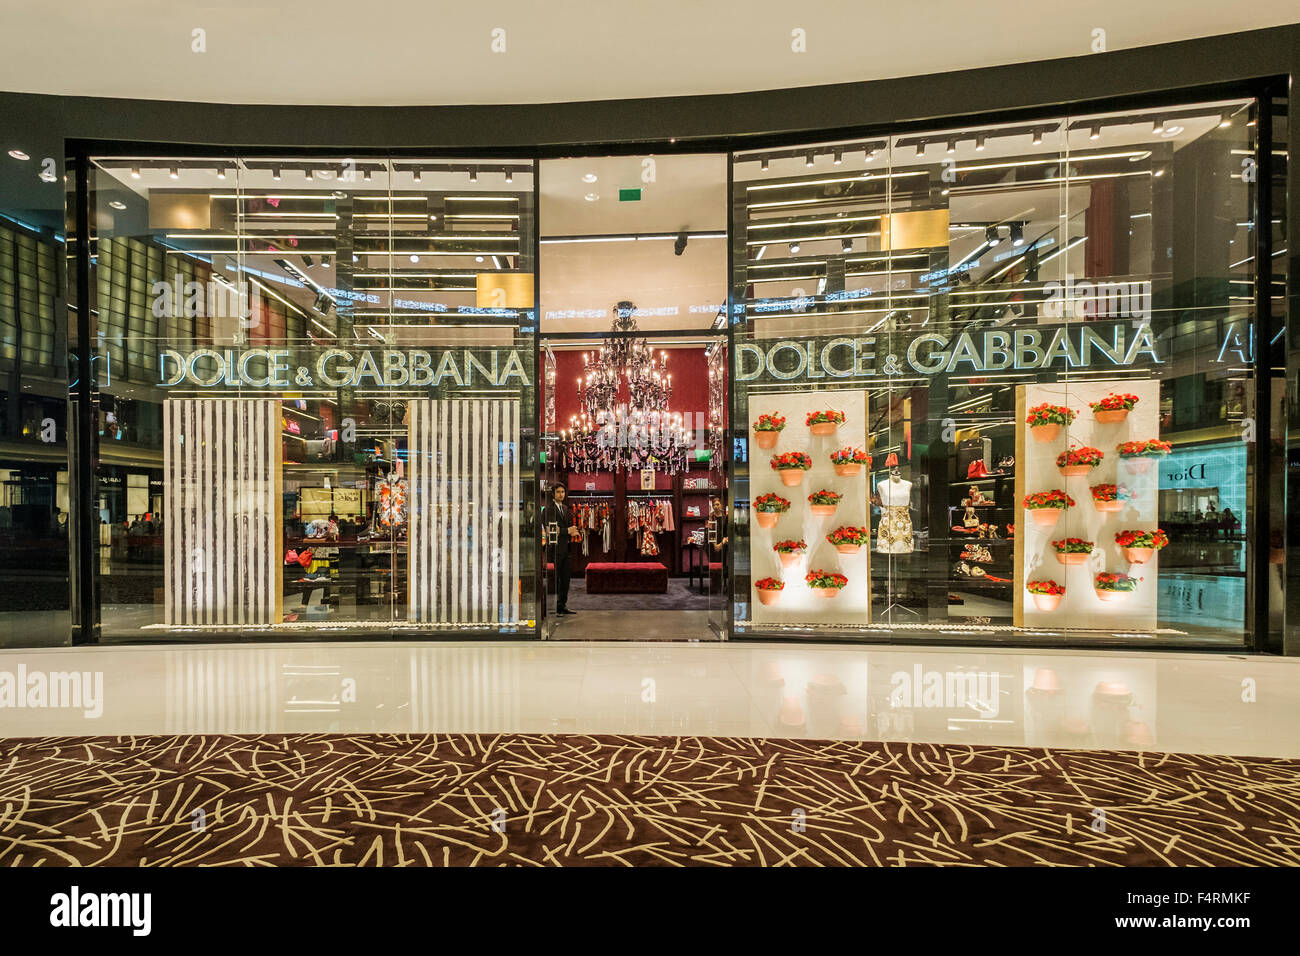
(591, 197)
(175, 173)
(307, 261)
(809, 161)
(991, 235)
(794, 248)
(478, 258)
(944, 191)
(415, 258)
(680, 245)
(473, 174)
(355, 257)
(366, 176)
(839, 157)
(308, 175)
(1225, 122)
(846, 244)
(979, 144)
(763, 164)
(920, 147)
(1095, 132)
(117, 204)
(275, 173)
(221, 172)
(1160, 171)
(324, 260)
(135, 173)
(1158, 126)
(510, 175)
(871, 154)
(589, 177)
(952, 146)
(1038, 137)
(18, 154)
(1017, 234)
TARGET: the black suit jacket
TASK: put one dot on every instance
(562, 516)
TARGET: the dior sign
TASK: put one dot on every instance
(933, 353)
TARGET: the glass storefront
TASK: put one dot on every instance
(980, 383)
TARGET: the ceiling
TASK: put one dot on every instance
(415, 52)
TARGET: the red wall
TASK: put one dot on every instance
(687, 366)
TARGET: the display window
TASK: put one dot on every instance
(323, 371)
(1040, 335)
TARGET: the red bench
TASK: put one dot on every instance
(626, 578)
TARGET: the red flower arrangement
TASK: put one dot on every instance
(769, 584)
(769, 423)
(825, 579)
(1072, 546)
(849, 536)
(1091, 457)
(772, 504)
(790, 547)
(1154, 540)
(1121, 402)
(829, 416)
(1048, 414)
(1107, 581)
(1144, 448)
(792, 459)
(1111, 492)
(1048, 499)
(824, 497)
(850, 456)
(1045, 587)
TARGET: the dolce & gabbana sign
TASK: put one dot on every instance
(339, 368)
(932, 353)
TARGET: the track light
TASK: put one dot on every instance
(135, 173)
(415, 258)
(1038, 137)
(221, 172)
(473, 174)
(763, 164)
(1017, 234)
(275, 173)
(871, 154)
(324, 260)
(979, 144)
(510, 175)
(839, 157)
(1225, 122)
(991, 235)
(952, 146)
(809, 161)
(920, 147)
(174, 173)
(1158, 126)
(794, 248)
(846, 244)
(309, 175)
(1095, 132)
(366, 175)
(415, 174)
(680, 245)
(307, 261)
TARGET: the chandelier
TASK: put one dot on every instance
(639, 433)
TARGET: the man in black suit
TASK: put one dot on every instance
(560, 514)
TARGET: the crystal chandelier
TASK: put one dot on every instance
(655, 441)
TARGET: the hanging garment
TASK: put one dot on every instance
(894, 535)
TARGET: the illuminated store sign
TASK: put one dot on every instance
(932, 353)
(340, 368)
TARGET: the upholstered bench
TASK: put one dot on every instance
(626, 578)
(715, 574)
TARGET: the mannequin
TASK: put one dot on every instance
(894, 535)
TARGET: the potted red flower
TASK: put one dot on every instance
(1114, 408)
(1047, 594)
(767, 508)
(849, 461)
(1138, 455)
(1114, 587)
(790, 551)
(768, 429)
(824, 422)
(825, 584)
(790, 466)
(1079, 461)
(848, 539)
(1072, 550)
(824, 502)
(1046, 507)
(1045, 421)
(1138, 546)
(769, 590)
(1110, 497)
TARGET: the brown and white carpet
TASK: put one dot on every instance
(541, 800)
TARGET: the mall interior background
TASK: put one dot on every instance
(810, 241)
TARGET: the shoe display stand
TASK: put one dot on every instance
(988, 574)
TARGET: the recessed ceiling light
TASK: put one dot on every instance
(18, 154)
(589, 178)
(415, 258)
(591, 197)
(339, 194)
(478, 258)
(1171, 131)
(794, 248)
(117, 204)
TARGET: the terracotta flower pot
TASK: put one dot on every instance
(1138, 555)
(1047, 602)
(1277, 555)
(791, 477)
(1112, 595)
(769, 597)
(1111, 416)
(848, 548)
(1138, 466)
(789, 558)
(766, 439)
(826, 592)
(823, 511)
(1046, 516)
(767, 519)
(1073, 471)
(1045, 432)
(1073, 557)
(1116, 505)
(847, 471)
(823, 428)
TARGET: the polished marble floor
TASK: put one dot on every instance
(1195, 703)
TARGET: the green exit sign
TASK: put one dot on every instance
(629, 195)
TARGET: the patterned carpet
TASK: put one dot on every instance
(540, 800)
